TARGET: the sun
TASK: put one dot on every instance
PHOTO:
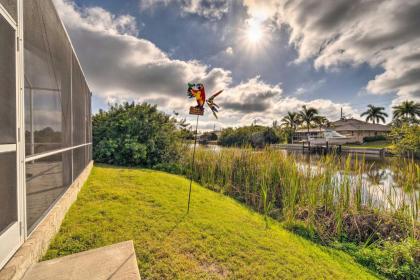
(254, 35)
(254, 32)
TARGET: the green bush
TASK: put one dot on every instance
(255, 136)
(395, 260)
(206, 137)
(135, 135)
(406, 140)
(374, 138)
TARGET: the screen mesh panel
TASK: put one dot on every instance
(89, 153)
(45, 127)
(7, 83)
(39, 72)
(79, 97)
(61, 54)
(79, 161)
(46, 181)
(8, 187)
(47, 79)
(57, 109)
(88, 119)
(11, 7)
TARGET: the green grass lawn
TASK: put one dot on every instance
(218, 239)
(373, 145)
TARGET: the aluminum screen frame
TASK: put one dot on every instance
(53, 75)
(11, 7)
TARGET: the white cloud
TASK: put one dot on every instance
(210, 9)
(95, 19)
(255, 100)
(309, 88)
(251, 96)
(262, 10)
(120, 66)
(279, 108)
(335, 32)
(229, 51)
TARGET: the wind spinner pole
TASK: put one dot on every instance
(192, 163)
(197, 91)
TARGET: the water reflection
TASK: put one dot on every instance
(385, 182)
(376, 176)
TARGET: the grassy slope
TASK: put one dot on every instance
(219, 239)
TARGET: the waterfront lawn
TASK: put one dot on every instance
(373, 145)
(218, 239)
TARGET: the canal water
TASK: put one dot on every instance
(383, 179)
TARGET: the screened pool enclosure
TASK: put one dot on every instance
(45, 123)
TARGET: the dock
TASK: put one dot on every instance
(326, 148)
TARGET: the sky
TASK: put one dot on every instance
(270, 57)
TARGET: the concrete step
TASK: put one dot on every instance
(117, 261)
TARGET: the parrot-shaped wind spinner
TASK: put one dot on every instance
(198, 91)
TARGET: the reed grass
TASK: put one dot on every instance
(278, 185)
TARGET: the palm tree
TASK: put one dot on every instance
(307, 116)
(291, 120)
(375, 114)
(407, 110)
(321, 122)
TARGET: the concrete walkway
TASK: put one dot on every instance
(116, 261)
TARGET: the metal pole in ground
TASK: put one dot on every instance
(192, 164)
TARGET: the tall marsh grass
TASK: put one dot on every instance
(330, 195)
(339, 201)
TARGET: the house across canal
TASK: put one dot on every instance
(354, 130)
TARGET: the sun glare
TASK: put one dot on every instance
(254, 32)
(254, 36)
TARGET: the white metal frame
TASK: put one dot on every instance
(47, 154)
(12, 237)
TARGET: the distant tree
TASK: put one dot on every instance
(185, 129)
(322, 122)
(292, 121)
(270, 136)
(308, 116)
(183, 123)
(48, 135)
(407, 111)
(254, 135)
(375, 114)
(206, 137)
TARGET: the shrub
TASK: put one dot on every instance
(406, 140)
(374, 138)
(135, 135)
(395, 260)
(255, 136)
(206, 137)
